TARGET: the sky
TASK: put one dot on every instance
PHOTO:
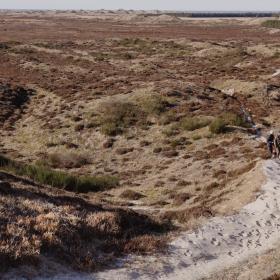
(189, 5)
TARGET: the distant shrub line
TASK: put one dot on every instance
(58, 179)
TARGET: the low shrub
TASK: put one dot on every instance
(217, 126)
(58, 179)
(193, 123)
(117, 116)
(154, 105)
(233, 119)
(132, 195)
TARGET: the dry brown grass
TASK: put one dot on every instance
(132, 195)
(38, 222)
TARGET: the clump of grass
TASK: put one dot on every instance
(233, 119)
(117, 116)
(171, 131)
(193, 123)
(155, 105)
(218, 126)
(273, 23)
(58, 179)
(196, 137)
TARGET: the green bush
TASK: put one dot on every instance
(118, 116)
(233, 119)
(273, 23)
(58, 179)
(218, 126)
(193, 123)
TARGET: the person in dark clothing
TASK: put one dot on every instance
(277, 144)
(271, 143)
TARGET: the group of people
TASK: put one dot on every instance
(273, 144)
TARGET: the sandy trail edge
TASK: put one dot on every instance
(221, 243)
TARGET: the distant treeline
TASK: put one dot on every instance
(222, 14)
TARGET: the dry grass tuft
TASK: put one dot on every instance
(188, 214)
(67, 160)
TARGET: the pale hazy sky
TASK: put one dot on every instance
(193, 5)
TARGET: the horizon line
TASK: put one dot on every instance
(138, 10)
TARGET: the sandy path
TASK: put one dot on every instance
(221, 243)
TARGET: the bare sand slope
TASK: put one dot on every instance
(223, 242)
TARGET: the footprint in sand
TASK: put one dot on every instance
(215, 242)
(258, 223)
(268, 223)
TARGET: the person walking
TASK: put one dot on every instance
(271, 143)
(277, 144)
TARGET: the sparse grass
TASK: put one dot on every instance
(58, 179)
(273, 23)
